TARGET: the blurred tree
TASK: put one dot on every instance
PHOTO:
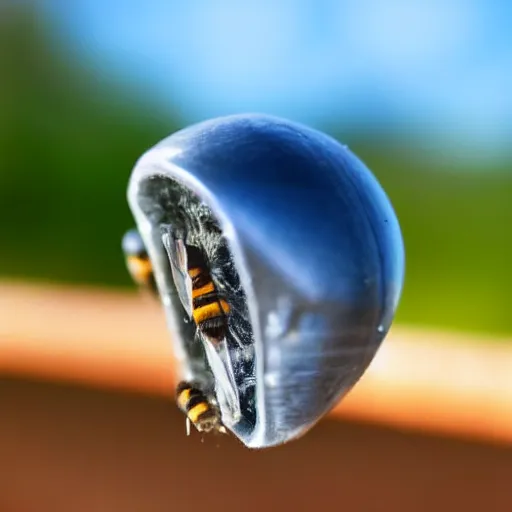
(68, 142)
(455, 227)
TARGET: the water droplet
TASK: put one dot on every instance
(271, 380)
(278, 321)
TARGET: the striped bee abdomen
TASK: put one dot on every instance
(199, 410)
(208, 309)
(137, 260)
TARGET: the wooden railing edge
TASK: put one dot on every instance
(421, 380)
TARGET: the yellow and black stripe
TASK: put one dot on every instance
(199, 410)
(140, 269)
(208, 309)
(137, 260)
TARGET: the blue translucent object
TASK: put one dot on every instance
(303, 243)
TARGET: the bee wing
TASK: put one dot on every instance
(177, 254)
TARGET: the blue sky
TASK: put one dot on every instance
(441, 68)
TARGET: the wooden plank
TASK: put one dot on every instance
(420, 380)
(67, 448)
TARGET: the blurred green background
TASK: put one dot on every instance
(70, 134)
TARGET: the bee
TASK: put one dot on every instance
(137, 261)
(200, 411)
(209, 310)
(196, 289)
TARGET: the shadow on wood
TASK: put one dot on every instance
(66, 448)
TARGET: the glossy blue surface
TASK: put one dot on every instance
(317, 246)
